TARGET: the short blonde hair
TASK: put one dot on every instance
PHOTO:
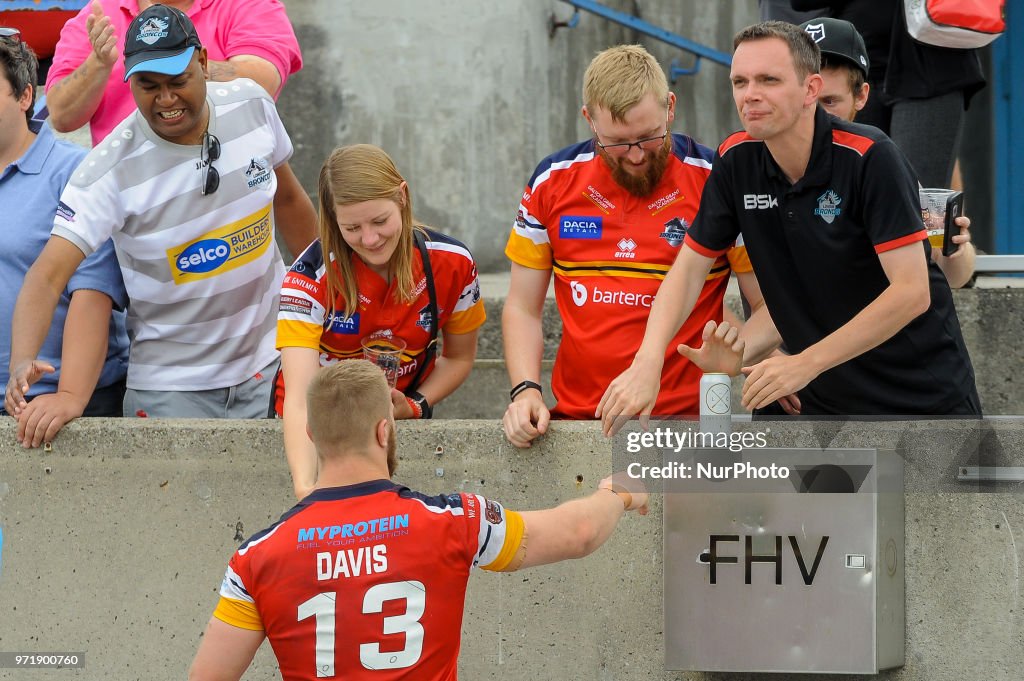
(619, 77)
(344, 404)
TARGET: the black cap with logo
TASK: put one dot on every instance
(160, 39)
(838, 38)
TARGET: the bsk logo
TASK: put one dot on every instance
(816, 31)
(675, 231)
(626, 248)
(579, 293)
(153, 30)
(258, 172)
(580, 227)
(759, 201)
(828, 206)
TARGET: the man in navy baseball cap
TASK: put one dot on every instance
(161, 39)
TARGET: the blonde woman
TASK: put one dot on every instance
(365, 276)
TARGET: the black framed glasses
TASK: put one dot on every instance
(10, 33)
(210, 153)
(623, 148)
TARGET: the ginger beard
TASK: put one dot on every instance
(643, 184)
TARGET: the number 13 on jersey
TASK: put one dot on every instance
(322, 607)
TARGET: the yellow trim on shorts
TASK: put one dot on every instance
(241, 614)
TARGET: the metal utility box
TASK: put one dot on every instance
(797, 574)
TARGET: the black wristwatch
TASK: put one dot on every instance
(425, 408)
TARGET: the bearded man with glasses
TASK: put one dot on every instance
(189, 187)
(608, 216)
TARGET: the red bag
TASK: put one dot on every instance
(963, 24)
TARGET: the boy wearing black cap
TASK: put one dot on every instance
(189, 188)
(844, 92)
(844, 66)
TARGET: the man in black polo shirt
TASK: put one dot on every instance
(830, 215)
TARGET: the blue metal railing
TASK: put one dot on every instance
(637, 24)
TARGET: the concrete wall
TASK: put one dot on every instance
(115, 543)
(468, 96)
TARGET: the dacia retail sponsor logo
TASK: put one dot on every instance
(222, 249)
(580, 227)
(581, 295)
(258, 172)
(675, 231)
(344, 325)
(627, 249)
(64, 211)
(828, 206)
(759, 202)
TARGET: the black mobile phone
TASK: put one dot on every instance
(954, 209)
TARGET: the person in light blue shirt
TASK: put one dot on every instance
(86, 346)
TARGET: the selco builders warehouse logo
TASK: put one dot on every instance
(579, 227)
(222, 249)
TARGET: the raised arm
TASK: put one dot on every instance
(73, 100)
(579, 527)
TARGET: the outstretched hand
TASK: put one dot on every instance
(721, 351)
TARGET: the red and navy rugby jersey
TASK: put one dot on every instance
(367, 582)
(302, 318)
(610, 251)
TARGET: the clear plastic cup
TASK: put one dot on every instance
(933, 213)
(386, 353)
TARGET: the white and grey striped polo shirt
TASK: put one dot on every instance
(202, 273)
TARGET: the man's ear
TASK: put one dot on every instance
(814, 84)
(860, 99)
(382, 430)
(27, 98)
(204, 62)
